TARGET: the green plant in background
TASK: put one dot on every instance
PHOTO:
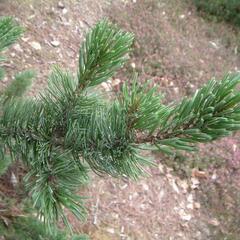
(27, 228)
(227, 10)
(8, 35)
(70, 129)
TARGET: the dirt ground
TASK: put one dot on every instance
(186, 197)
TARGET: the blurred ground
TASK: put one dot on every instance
(179, 51)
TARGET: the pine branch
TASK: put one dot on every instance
(103, 52)
(67, 129)
(213, 112)
(143, 107)
(52, 181)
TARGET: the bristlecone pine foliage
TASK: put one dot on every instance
(69, 129)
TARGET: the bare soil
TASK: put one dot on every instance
(186, 197)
